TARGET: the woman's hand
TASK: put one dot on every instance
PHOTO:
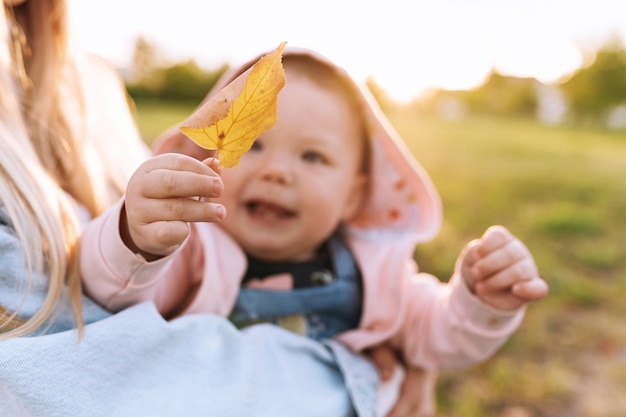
(416, 397)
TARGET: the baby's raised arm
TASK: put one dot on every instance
(162, 196)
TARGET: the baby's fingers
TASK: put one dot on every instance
(162, 225)
(501, 258)
(520, 271)
(173, 175)
(532, 290)
(182, 209)
(164, 183)
(161, 238)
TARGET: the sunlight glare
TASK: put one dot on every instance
(407, 48)
(548, 60)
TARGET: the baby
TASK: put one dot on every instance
(314, 230)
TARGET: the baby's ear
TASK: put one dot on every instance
(356, 196)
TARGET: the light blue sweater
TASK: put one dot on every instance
(134, 363)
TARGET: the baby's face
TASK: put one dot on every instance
(300, 179)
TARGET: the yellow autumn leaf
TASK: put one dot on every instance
(233, 118)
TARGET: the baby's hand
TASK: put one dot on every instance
(500, 270)
(162, 196)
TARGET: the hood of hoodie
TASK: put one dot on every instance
(402, 201)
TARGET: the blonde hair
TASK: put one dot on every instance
(43, 173)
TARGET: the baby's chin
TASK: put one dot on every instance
(267, 253)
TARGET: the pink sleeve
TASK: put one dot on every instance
(114, 276)
(446, 327)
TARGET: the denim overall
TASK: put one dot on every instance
(330, 305)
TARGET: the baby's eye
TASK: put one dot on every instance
(313, 156)
(256, 146)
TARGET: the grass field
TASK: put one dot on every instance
(563, 192)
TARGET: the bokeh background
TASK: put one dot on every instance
(516, 108)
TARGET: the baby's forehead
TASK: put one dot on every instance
(335, 80)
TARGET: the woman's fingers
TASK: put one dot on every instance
(384, 359)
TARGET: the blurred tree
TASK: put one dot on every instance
(148, 78)
(144, 62)
(186, 81)
(503, 96)
(597, 88)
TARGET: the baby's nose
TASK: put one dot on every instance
(277, 169)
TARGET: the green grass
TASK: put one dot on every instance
(563, 192)
(154, 117)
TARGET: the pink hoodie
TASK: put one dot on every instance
(435, 325)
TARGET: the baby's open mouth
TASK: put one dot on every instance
(268, 210)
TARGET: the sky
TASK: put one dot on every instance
(406, 46)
